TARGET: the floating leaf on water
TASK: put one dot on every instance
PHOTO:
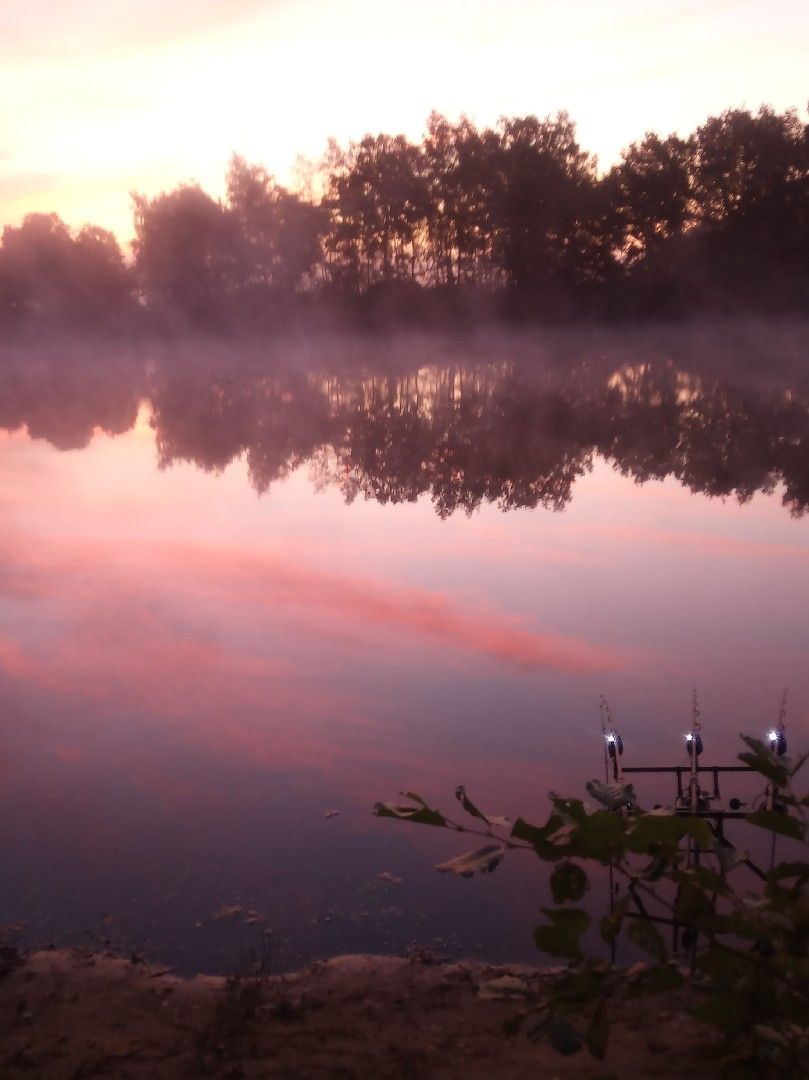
(229, 911)
(386, 875)
(504, 987)
(482, 861)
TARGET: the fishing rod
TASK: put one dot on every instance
(613, 745)
(691, 799)
(777, 738)
(613, 751)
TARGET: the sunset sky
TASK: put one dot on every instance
(101, 99)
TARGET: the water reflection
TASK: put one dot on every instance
(191, 677)
(509, 431)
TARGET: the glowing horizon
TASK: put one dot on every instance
(143, 98)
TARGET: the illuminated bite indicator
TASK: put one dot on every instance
(693, 743)
(778, 741)
(615, 744)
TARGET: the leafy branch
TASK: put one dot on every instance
(748, 951)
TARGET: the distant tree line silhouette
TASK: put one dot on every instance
(511, 221)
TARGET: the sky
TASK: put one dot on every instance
(100, 100)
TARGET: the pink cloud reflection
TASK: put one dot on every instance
(265, 583)
(192, 638)
(721, 546)
(268, 581)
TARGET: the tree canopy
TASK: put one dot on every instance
(511, 219)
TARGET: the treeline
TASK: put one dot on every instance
(511, 221)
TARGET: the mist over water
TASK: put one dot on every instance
(242, 588)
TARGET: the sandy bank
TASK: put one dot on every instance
(64, 1014)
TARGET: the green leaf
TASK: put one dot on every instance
(762, 760)
(482, 861)
(704, 878)
(799, 762)
(597, 836)
(795, 871)
(729, 856)
(724, 966)
(659, 865)
(540, 837)
(727, 1008)
(563, 1037)
(416, 798)
(568, 882)
(611, 924)
(779, 823)
(597, 1033)
(613, 796)
(692, 903)
(647, 937)
(541, 1023)
(561, 937)
(749, 926)
(571, 990)
(555, 942)
(574, 920)
(419, 815)
(655, 980)
(468, 805)
(649, 830)
(570, 810)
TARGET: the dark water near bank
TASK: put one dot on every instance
(242, 590)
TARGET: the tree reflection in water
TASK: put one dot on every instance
(511, 430)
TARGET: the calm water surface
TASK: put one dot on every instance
(243, 597)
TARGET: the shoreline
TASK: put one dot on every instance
(72, 1014)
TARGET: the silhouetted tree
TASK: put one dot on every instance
(103, 280)
(651, 193)
(462, 167)
(512, 219)
(279, 232)
(48, 277)
(746, 166)
(37, 267)
(378, 203)
(541, 200)
(186, 254)
(751, 186)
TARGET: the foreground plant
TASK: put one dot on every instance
(747, 950)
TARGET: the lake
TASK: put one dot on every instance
(247, 591)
